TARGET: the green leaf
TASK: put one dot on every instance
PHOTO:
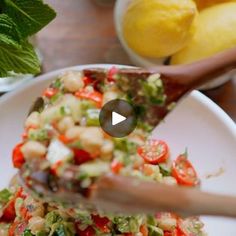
(155, 231)
(9, 28)
(29, 15)
(17, 58)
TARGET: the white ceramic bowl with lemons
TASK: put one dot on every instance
(119, 10)
(227, 42)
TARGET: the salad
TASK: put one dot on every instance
(64, 130)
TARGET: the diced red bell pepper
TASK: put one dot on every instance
(17, 228)
(9, 213)
(55, 167)
(144, 230)
(111, 73)
(17, 156)
(25, 134)
(81, 156)
(87, 81)
(116, 166)
(102, 223)
(94, 96)
(20, 193)
(25, 214)
(12, 228)
(64, 139)
(50, 92)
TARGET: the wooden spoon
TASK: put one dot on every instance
(178, 81)
(128, 195)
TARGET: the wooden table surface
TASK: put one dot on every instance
(83, 33)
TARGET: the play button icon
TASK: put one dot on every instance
(117, 118)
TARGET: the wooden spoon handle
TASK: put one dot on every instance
(133, 196)
(198, 73)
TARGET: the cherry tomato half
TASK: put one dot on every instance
(184, 172)
(17, 156)
(154, 151)
(95, 96)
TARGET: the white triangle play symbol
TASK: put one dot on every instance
(117, 118)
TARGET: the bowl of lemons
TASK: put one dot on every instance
(176, 32)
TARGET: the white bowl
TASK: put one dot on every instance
(119, 10)
(197, 123)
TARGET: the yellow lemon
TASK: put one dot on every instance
(201, 4)
(215, 32)
(158, 28)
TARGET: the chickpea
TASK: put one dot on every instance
(167, 223)
(33, 149)
(75, 132)
(107, 150)
(92, 139)
(3, 230)
(33, 120)
(36, 224)
(65, 124)
(35, 208)
(73, 81)
(169, 180)
(108, 96)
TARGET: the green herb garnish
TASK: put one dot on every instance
(27, 232)
(20, 19)
(5, 195)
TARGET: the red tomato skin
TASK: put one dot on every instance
(17, 156)
(9, 213)
(25, 214)
(181, 178)
(116, 166)
(89, 231)
(95, 96)
(50, 92)
(11, 230)
(101, 223)
(111, 73)
(64, 139)
(81, 156)
(87, 81)
(144, 230)
(17, 228)
(55, 167)
(175, 232)
(161, 158)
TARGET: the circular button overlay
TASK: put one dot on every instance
(117, 118)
